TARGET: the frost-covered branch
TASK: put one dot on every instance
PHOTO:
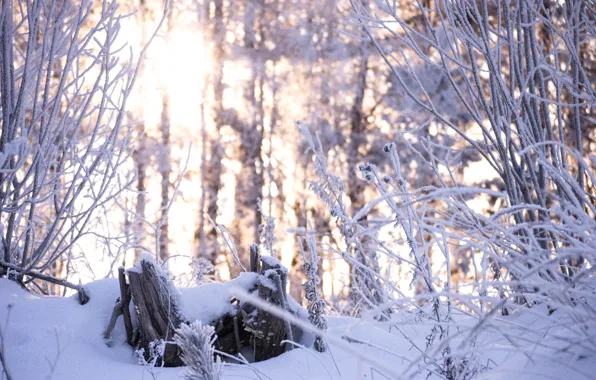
(198, 353)
(64, 90)
(316, 306)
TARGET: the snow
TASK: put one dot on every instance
(273, 262)
(54, 337)
(208, 302)
(266, 280)
(205, 303)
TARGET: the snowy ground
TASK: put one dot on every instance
(51, 337)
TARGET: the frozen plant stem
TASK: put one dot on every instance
(196, 341)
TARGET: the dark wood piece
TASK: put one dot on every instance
(268, 262)
(230, 339)
(125, 301)
(255, 258)
(158, 315)
(115, 314)
(268, 330)
(271, 330)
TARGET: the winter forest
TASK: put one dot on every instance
(297, 189)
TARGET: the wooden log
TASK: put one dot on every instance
(157, 311)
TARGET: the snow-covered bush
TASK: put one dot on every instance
(366, 290)
(154, 354)
(526, 100)
(316, 306)
(196, 341)
(65, 139)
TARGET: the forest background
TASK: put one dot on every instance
(213, 160)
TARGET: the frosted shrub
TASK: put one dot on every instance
(196, 341)
(524, 98)
(203, 271)
(316, 306)
(63, 146)
(156, 351)
(366, 290)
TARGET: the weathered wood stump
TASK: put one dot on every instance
(125, 298)
(268, 331)
(157, 310)
(159, 313)
(231, 336)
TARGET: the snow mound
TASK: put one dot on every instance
(57, 338)
(209, 302)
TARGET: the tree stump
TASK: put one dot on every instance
(231, 336)
(268, 331)
(158, 313)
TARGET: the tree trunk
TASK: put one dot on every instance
(362, 283)
(165, 170)
(213, 169)
(140, 156)
(199, 237)
(250, 180)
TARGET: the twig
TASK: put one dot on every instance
(3, 347)
(83, 296)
